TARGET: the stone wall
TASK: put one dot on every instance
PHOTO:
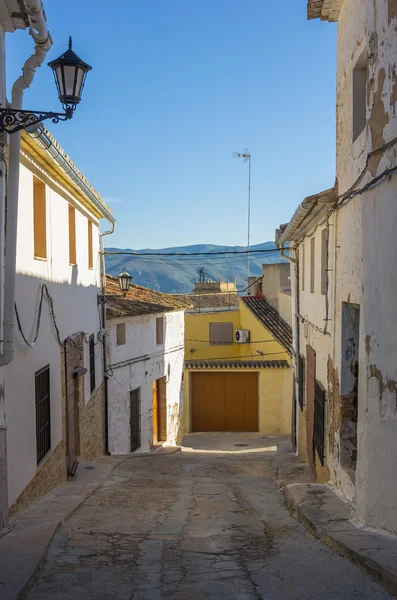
(51, 472)
(92, 426)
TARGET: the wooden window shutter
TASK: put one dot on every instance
(39, 218)
(303, 267)
(160, 330)
(72, 235)
(120, 334)
(324, 261)
(312, 263)
(90, 247)
(221, 333)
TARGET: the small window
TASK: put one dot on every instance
(360, 76)
(324, 261)
(72, 235)
(303, 267)
(92, 363)
(90, 247)
(160, 330)
(39, 219)
(43, 412)
(312, 263)
(221, 333)
(120, 334)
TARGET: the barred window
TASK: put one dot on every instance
(92, 362)
(43, 412)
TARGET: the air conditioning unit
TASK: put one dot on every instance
(242, 336)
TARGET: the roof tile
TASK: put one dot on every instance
(271, 319)
(236, 364)
(138, 300)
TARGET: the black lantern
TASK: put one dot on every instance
(124, 281)
(69, 73)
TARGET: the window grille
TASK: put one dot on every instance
(92, 362)
(43, 410)
(319, 420)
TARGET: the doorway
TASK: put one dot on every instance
(349, 387)
(135, 419)
(73, 353)
(159, 410)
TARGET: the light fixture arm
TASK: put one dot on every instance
(13, 119)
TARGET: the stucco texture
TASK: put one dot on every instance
(143, 362)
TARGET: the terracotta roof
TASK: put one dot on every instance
(270, 318)
(326, 10)
(138, 300)
(236, 364)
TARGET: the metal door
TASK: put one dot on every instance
(135, 419)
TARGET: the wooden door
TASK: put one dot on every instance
(310, 395)
(155, 410)
(162, 409)
(73, 359)
(225, 402)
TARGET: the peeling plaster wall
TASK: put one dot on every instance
(366, 257)
(164, 362)
(312, 307)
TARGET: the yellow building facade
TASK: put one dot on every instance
(263, 362)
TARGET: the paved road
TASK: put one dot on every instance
(192, 526)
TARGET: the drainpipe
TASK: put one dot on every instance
(103, 291)
(39, 32)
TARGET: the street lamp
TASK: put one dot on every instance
(124, 281)
(70, 73)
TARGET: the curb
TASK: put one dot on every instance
(345, 538)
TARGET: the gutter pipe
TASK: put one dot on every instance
(39, 32)
(104, 327)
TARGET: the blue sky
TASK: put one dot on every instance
(176, 86)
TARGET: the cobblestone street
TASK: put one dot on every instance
(208, 522)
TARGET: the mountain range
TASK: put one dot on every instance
(176, 274)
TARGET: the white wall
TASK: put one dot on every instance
(367, 253)
(74, 291)
(166, 360)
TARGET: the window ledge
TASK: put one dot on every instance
(40, 258)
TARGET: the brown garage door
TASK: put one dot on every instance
(224, 402)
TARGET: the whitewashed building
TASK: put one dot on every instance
(357, 363)
(54, 386)
(145, 341)
(14, 15)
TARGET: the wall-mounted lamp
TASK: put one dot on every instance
(79, 372)
(124, 281)
(70, 73)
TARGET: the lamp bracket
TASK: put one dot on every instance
(13, 120)
(102, 300)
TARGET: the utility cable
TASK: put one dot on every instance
(172, 254)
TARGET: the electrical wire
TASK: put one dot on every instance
(171, 254)
(208, 342)
(234, 357)
(44, 292)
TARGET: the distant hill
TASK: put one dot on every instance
(174, 274)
